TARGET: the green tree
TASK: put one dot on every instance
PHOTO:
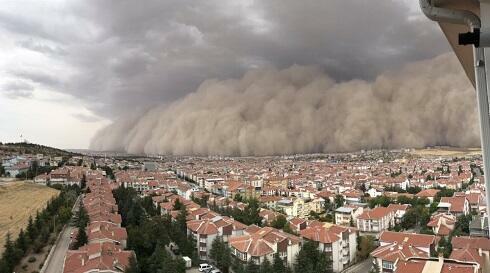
(278, 264)
(311, 260)
(365, 246)
(280, 222)
(221, 254)
(252, 267)
(11, 254)
(339, 201)
(81, 238)
(327, 205)
(238, 198)
(178, 205)
(266, 266)
(22, 241)
(31, 229)
(182, 219)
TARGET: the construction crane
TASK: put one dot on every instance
(466, 25)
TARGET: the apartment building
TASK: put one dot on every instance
(339, 243)
(257, 244)
(204, 231)
(376, 220)
(399, 246)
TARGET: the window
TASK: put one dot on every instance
(387, 265)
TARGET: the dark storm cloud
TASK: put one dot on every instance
(125, 54)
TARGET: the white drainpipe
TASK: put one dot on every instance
(473, 21)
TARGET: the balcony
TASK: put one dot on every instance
(344, 260)
(345, 251)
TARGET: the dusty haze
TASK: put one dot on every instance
(302, 110)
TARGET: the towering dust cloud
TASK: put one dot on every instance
(302, 110)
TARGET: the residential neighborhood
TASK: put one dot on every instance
(388, 213)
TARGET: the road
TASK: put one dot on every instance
(362, 267)
(57, 259)
(54, 263)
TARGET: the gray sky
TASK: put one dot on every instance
(68, 68)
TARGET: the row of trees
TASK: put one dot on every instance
(249, 216)
(149, 233)
(39, 230)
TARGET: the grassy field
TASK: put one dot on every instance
(18, 200)
(446, 152)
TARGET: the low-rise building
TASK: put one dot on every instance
(204, 231)
(257, 244)
(376, 220)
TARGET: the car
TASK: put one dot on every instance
(215, 271)
(204, 267)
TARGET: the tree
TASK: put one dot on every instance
(280, 222)
(238, 198)
(182, 219)
(266, 266)
(31, 229)
(177, 204)
(221, 254)
(409, 220)
(327, 205)
(81, 238)
(365, 246)
(311, 260)
(462, 226)
(21, 242)
(278, 264)
(252, 267)
(339, 201)
(445, 246)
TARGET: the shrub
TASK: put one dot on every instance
(31, 259)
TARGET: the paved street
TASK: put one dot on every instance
(55, 262)
(362, 267)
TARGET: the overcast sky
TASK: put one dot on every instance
(68, 68)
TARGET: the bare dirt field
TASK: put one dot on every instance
(18, 200)
(446, 152)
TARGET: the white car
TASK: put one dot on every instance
(215, 271)
(204, 267)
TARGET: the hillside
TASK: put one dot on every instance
(30, 148)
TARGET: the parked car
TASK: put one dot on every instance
(215, 271)
(204, 267)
